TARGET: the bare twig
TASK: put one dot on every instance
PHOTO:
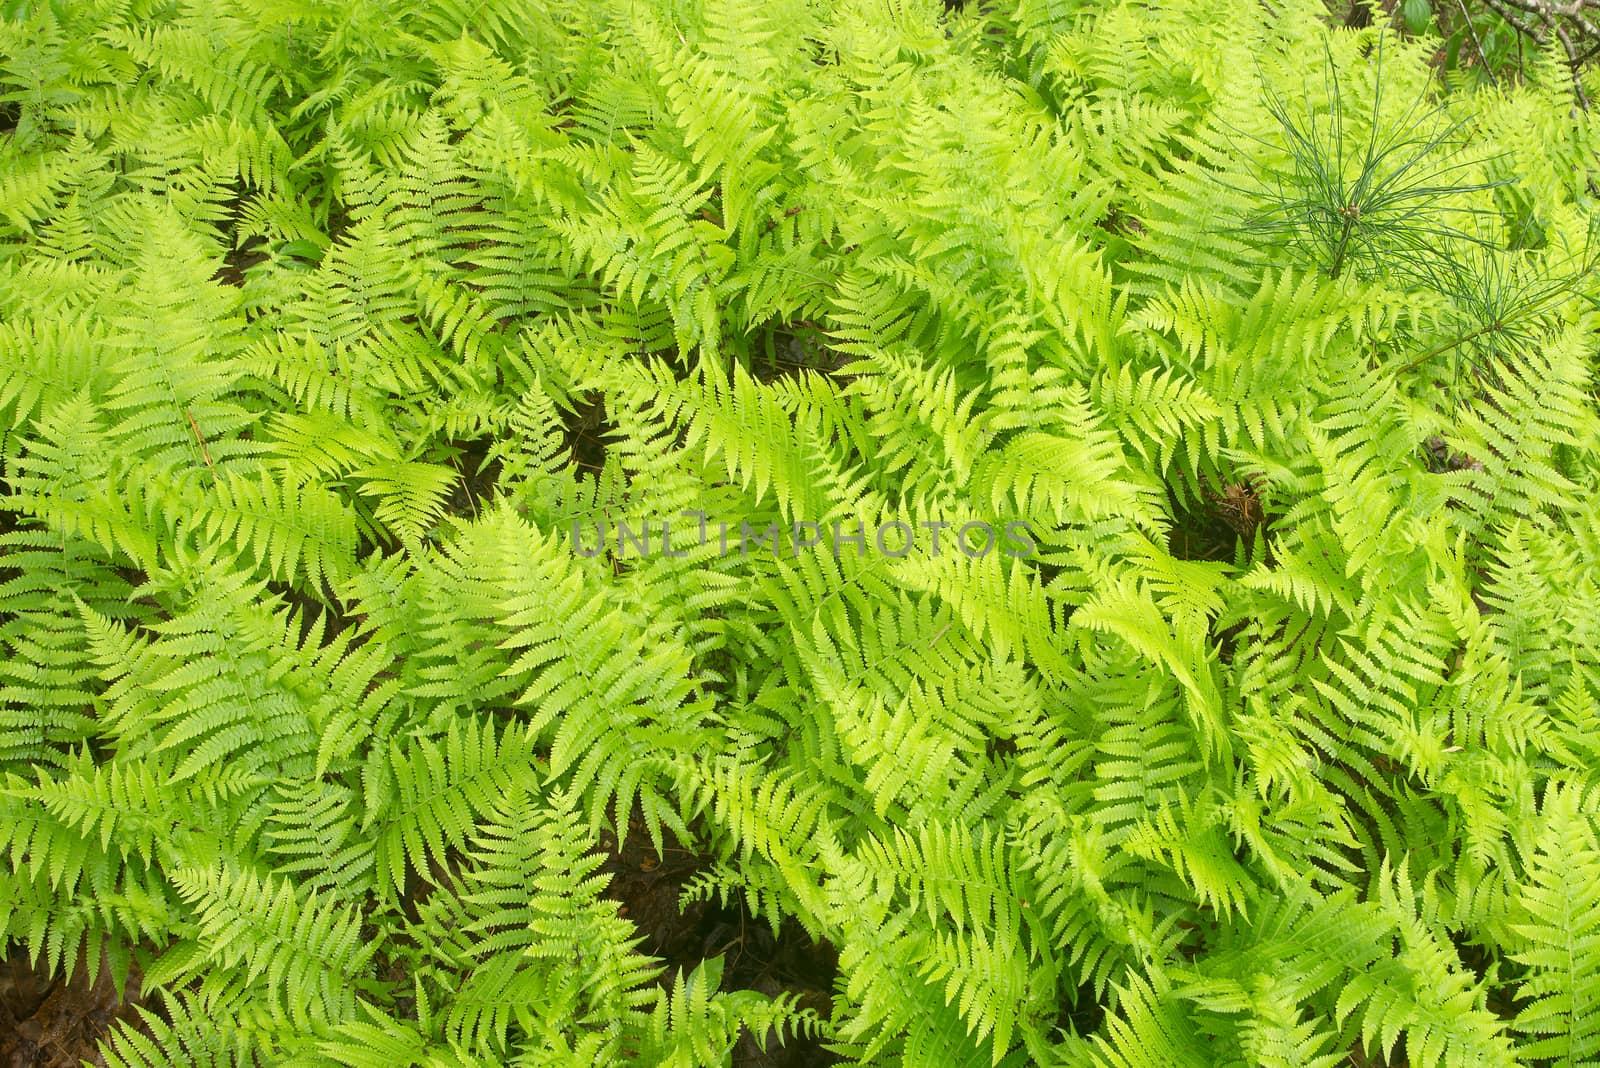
(1516, 23)
(1577, 70)
(1549, 12)
(1477, 44)
(1546, 19)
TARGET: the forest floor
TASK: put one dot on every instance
(47, 1023)
(648, 886)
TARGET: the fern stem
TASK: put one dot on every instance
(205, 454)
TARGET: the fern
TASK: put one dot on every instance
(333, 336)
(1559, 942)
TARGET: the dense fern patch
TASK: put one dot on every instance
(449, 444)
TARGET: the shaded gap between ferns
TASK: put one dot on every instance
(647, 885)
(479, 473)
(585, 432)
(1210, 525)
(237, 262)
(780, 348)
